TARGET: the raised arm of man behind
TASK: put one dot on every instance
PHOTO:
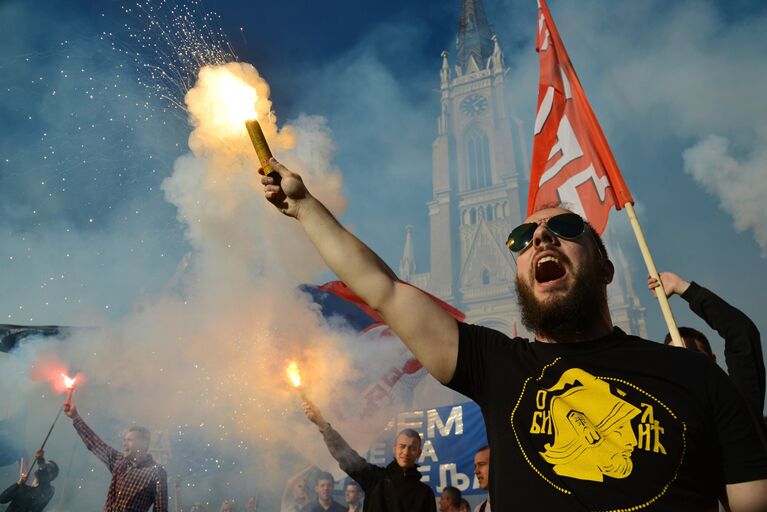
(742, 342)
(351, 462)
(427, 330)
(93, 442)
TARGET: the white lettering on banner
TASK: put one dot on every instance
(475, 484)
(455, 418)
(377, 454)
(412, 420)
(544, 110)
(428, 451)
(568, 191)
(456, 478)
(425, 478)
(567, 145)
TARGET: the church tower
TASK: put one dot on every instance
(475, 178)
(477, 162)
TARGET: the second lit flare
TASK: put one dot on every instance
(294, 376)
(69, 383)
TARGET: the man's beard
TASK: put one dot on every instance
(569, 316)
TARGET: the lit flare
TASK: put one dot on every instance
(234, 100)
(69, 384)
(294, 375)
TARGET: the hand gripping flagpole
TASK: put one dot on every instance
(660, 292)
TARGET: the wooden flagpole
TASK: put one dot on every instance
(660, 293)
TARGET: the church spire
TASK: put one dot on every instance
(407, 263)
(475, 38)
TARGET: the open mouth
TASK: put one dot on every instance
(549, 269)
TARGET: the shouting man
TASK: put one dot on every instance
(138, 482)
(585, 417)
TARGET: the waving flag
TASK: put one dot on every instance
(399, 373)
(572, 162)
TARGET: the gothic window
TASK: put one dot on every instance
(485, 276)
(473, 216)
(477, 159)
(489, 215)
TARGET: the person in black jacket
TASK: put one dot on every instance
(395, 488)
(24, 498)
(742, 343)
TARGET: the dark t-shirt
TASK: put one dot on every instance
(617, 423)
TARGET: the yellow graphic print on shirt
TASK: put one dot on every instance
(612, 443)
(593, 437)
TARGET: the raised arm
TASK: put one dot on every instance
(742, 342)
(428, 330)
(351, 462)
(93, 442)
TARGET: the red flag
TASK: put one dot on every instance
(572, 162)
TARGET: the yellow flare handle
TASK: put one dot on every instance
(259, 144)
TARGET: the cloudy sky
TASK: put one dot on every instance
(103, 212)
(85, 225)
(86, 228)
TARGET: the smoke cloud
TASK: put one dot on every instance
(739, 185)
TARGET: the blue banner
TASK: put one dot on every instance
(451, 436)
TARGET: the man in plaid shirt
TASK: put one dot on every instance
(138, 482)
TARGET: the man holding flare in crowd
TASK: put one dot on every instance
(585, 417)
(138, 482)
(395, 488)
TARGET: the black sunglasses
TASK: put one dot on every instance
(564, 225)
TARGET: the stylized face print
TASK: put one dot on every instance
(593, 437)
(614, 458)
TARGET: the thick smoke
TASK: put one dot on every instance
(739, 185)
(208, 349)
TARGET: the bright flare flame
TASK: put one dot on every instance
(233, 101)
(69, 382)
(293, 374)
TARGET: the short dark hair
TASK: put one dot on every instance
(453, 495)
(412, 434)
(53, 470)
(142, 432)
(482, 449)
(689, 332)
(354, 484)
(324, 475)
(598, 241)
